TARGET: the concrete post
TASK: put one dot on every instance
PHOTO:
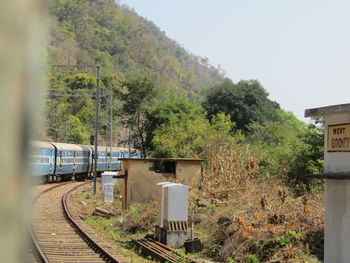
(108, 192)
(337, 192)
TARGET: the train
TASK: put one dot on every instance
(54, 162)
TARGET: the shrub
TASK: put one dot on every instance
(252, 259)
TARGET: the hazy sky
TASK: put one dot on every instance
(298, 49)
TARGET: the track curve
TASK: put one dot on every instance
(57, 234)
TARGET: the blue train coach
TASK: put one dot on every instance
(71, 160)
(42, 159)
(62, 161)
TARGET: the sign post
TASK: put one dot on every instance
(337, 181)
(338, 138)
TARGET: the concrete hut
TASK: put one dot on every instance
(141, 176)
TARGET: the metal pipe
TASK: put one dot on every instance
(73, 66)
(70, 95)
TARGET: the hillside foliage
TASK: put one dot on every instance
(160, 99)
(165, 102)
(128, 47)
(123, 43)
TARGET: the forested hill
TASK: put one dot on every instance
(123, 43)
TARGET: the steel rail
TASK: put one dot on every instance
(161, 251)
(37, 247)
(85, 236)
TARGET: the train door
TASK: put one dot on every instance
(60, 162)
(74, 162)
(51, 159)
(109, 161)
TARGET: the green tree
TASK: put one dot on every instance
(79, 107)
(81, 81)
(245, 102)
(136, 95)
(277, 144)
(178, 127)
(288, 148)
(308, 160)
(76, 131)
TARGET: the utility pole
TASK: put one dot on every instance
(84, 69)
(65, 132)
(96, 127)
(129, 141)
(111, 124)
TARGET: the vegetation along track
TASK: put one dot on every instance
(59, 237)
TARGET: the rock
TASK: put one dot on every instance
(256, 225)
(231, 232)
(201, 202)
(277, 219)
(224, 221)
(193, 246)
(132, 228)
(197, 219)
(83, 203)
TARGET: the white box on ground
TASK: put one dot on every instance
(107, 178)
(173, 214)
(108, 192)
(176, 202)
(161, 202)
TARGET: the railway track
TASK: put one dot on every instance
(57, 234)
(161, 252)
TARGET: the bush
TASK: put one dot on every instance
(288, 238)
(288, 149)
(252, 259)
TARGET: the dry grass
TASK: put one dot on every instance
(268, 221)
(119, 237)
